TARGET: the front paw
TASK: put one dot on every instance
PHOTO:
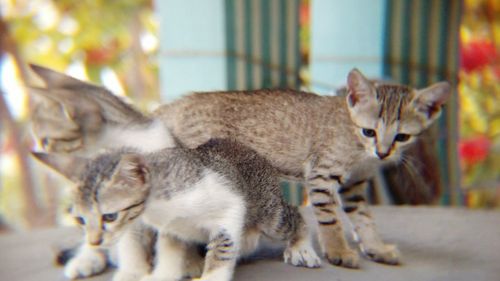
(305, 256)
(345, 258)
(385, 253)
(85, 264)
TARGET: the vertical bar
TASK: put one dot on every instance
(248, 44)
(457, 196)
(256, 55)
(230, 44)
(415, 38)
(396, 39)
(440, 66)
(388, 30)
(405, 41)
(265, 11)
(291, 66)
(275, 47)
(240, 37)
(298, 60)
(282, 42)
(423, 77)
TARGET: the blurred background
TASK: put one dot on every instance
(155, 51)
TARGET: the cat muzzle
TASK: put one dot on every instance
(382, 155)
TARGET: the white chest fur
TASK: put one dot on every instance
(206, 207)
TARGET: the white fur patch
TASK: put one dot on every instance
(205, 208)
(202, 212)
(88, 261)
(151, 138)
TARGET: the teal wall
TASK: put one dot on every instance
(192, 46)
(345, 34)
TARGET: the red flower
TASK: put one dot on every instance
(477, 54)
(474, 150)
(102, 55)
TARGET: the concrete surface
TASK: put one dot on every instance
(437, 244)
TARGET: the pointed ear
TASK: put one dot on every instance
(54, 79)
(360, 89)
(429, 100)
(69, 166)
(72, 103)
(131, 169)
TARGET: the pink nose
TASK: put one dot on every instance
(96, 242)
(382, 155)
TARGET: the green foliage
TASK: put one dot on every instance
(100, 34)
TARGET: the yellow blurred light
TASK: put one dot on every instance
(495, 127)
(11, 86)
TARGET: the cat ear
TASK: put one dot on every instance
(54, 79)
(360, 89)
(71, 102)
(132, 170)
(69, 166)
(429, 100)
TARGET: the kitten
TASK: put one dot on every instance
(221, 194)
(332, 144)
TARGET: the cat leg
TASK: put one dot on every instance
(222, 254)
(290, 226)
(370, 243)
(194, 261)
(87, 262)
(250, 242)
(170, 259)
(134, 253)
(322, 186)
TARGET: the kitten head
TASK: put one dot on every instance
(109, 192)
(389, 117)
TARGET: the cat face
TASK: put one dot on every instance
(390, 117)
(109, 194)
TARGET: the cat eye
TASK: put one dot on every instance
(109, 217)
(80, 220)
(369, 133)
(402, 137)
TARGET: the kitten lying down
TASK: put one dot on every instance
(221, 194)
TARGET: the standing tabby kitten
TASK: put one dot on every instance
(332, 144)
(221, 194)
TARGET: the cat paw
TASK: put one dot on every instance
(121, 275)
(86, 263)
(345, 258)
(385, 253)
(302, 256)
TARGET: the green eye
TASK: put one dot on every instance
(80, 220)
(109, 217)
(402, 137)
(369, 133)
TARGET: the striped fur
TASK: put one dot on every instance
(221, 194)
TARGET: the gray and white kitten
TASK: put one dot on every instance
(222, 194)
(332, 144)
